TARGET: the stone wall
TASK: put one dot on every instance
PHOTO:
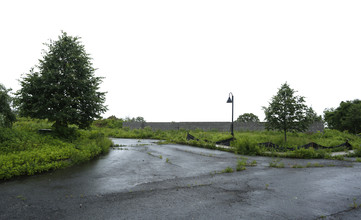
(206, 126)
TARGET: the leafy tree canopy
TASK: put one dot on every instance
(63, 89)
(248, 117)
(346, 117)
(137, 119)
(287, 112)
(7, 116)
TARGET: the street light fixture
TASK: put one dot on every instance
(231, 100)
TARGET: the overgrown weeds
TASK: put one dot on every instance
(247, 143)
(354, 204)
(242, 163)
(228, 170)
(276, 163)
(23, 151)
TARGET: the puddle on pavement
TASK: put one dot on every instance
(123, 142)
(118, 169)
(103, 171)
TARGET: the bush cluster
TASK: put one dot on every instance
(109, 123)
(23, 151)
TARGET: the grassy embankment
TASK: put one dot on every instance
(23, 151)
(247, 143)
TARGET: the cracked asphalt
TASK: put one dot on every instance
(143, 180)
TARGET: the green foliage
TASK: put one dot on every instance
(137, 119)
(23, 151)
(108, 123)
(253, 163)
(276, 163)
(64, 88)
(248, 117)
(308, 165)
(357, 152)
(246, 145)
(146, 133)
(27, 124)
(7, 116)
(354, 205)
(206, 139)
(287, 112)
(227, 170)
(241, 164)
(69, 133)
(306, 153)
(314, 165)
(346, 117)
(297, 166)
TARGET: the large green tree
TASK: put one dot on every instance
(287, 112)
(248, 117)
(346, 117)
(7, 116)
(63, 87)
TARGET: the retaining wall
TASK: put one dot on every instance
(216, 126)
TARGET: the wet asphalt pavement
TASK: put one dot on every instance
(143, 180)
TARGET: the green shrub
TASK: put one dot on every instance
(241, 164)
(357, 152)
(277, 163)
(247, 146)
(227, 170)
(23, 151)
(68, 133)
(109, 123)
(307, 153)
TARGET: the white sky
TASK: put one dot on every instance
(178, 60)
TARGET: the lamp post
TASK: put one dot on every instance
(231, 100)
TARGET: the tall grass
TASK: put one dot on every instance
(248, 142)
(23, 151)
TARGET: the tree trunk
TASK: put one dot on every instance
(285, 131)
(59, 125)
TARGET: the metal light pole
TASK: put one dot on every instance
(231, 101)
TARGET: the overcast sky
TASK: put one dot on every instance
(179, 60)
